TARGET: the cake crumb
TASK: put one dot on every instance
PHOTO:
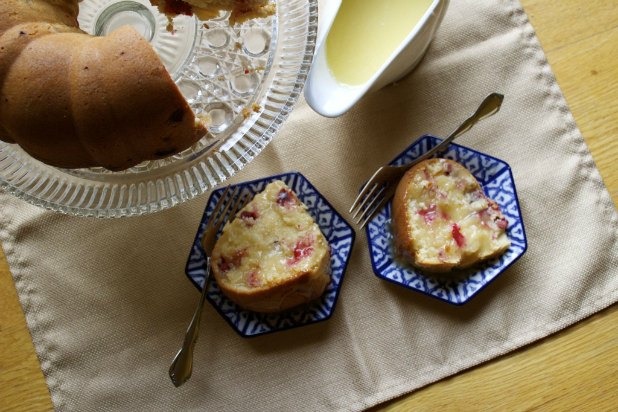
(204, 119)
(255, 108)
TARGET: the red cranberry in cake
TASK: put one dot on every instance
(249, 216)
(272, 256)
(287, 198)
(442, 219)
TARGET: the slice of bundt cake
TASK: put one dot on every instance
(443, 220)
(73, 100)
(272, 256)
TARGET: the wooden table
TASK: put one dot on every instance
(576, 369)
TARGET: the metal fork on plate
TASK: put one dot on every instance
(381, 186)
(182, 365)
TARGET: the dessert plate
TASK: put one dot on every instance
(244, 78)
(460, 286)
(338, 233)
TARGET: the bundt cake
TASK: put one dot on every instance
(73, 100)
(442, 219)
(272, 256)
(241, 10)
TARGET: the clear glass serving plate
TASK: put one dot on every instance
(245, 78)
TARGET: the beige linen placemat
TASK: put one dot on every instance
(107, 301)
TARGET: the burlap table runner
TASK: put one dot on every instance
(107, 301)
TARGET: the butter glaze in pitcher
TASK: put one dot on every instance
(363, 45)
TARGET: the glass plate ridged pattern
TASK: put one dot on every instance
(245, 78)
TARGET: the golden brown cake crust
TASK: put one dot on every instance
(14, 12)
(299, 288)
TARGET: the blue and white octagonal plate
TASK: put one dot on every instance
(338, 233)
(456, 287)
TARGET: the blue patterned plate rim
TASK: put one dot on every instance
(433, 141)
(286, 177)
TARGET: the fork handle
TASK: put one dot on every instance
(489, 106)
(182, 365)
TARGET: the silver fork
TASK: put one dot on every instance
(182, 365)
(381, 186)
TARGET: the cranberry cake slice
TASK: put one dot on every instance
(272, 256)
(442, 219)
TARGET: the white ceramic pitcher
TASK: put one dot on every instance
(330, 98)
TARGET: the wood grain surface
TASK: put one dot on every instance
(576, 369)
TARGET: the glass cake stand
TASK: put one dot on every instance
(245, 79)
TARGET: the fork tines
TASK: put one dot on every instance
(370, 199)
(225, 209)
(228, 205)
